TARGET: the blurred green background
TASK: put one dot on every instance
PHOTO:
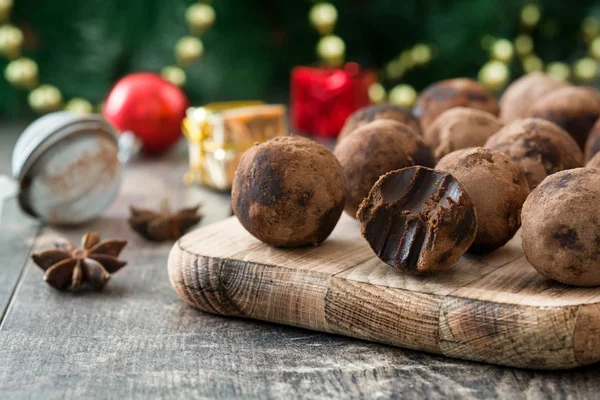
(83, 47)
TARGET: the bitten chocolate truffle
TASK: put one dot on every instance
(498, 189)
(460, 128)
(539, 147)
(289, 191)
(594, 162)
(451, 93)
(418, 220)
(592, 146)
(374, 149)
(380, 111)
(561, 227)
(523, 92)
(575, 109)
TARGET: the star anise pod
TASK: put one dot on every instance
(164, 224)
(67, 266)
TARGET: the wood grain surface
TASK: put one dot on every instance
(14, 247)
(138, 340)
(16, 229)
(493, 308)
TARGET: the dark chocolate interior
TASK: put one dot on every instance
(403, 213)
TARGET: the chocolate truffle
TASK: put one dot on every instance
(418, 220)
(380, 111)
(451, 93)
(288, 192)
(498, 189)
(594, 162)
(561, 227)
(575, 109)
(523, 92)
(539, 147)
(460, 128)
(374, 149)
(592, 146)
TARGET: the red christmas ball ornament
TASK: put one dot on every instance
(150, 107)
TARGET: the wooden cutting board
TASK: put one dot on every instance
(496, 308)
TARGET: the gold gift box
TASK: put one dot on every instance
(219, 133)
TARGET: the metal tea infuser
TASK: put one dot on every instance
(65, 168)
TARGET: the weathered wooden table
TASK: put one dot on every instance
(137, 339)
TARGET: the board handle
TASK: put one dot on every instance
(250, 290)
(197, 280)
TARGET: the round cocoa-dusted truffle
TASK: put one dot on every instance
(523, 92)
(418, 220)
(594, 162)
(380, 111)
(498, 189)
(539, 147)
(451, 93)
(289, 191)
(460, 128)
(592, 146)
(575, 109)
(374, 149)
(561, 227)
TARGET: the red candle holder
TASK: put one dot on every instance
(322, 98)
